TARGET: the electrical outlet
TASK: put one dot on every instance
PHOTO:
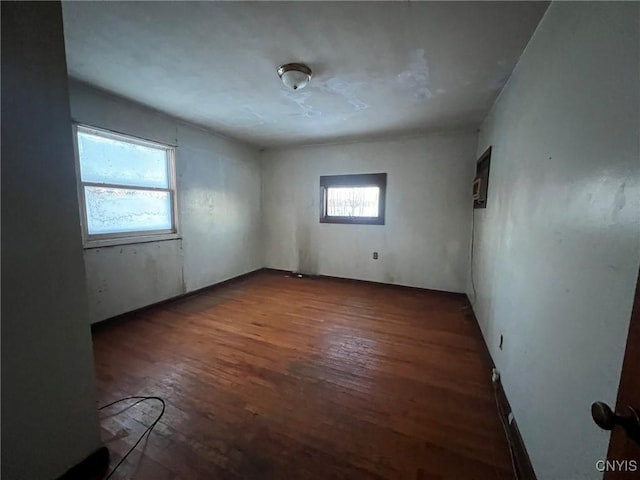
(375, 255)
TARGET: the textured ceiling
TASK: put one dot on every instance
(379, 68)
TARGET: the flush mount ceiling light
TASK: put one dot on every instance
(295, 75)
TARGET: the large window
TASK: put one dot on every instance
(353, 198)
(127, 188)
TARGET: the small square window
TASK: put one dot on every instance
(358, 199)
(127, 188)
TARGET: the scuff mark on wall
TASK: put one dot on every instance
(183, 279)
(619, 201)
(347, 90)
(307, 259)
(416, 76)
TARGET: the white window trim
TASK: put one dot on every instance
(123, 238)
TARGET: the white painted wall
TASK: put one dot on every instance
(557, 249)
(425, 240)
(218, 205)
(49, 417)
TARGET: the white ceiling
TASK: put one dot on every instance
(379, 68)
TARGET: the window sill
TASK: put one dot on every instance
(353, 220)
(112, 242)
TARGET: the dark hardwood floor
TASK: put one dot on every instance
(276, 377)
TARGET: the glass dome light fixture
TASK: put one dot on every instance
(294, 75)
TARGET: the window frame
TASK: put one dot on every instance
(354, 180)
(122, 238)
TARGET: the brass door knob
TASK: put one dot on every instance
(606, 419)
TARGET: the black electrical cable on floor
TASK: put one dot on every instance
(139, 399)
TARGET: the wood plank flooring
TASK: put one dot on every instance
(277, 377)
